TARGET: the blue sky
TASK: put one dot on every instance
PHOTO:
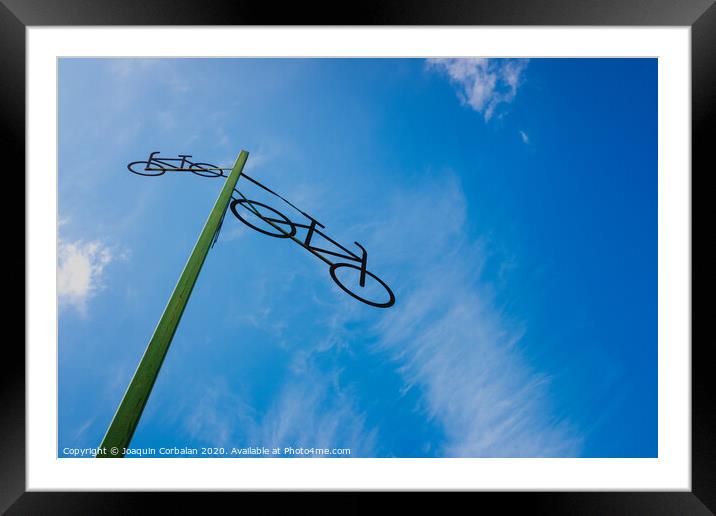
(511, 205)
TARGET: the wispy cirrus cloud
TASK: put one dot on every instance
(309, 411)
(315, 412)
(450, 340)
(483, 84)
(160, 70)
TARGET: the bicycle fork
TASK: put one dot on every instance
(363, 263)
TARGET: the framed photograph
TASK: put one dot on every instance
(425, 248)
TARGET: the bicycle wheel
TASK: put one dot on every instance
(276, 221)
(143, 169)
(391, 296)
(200, 169)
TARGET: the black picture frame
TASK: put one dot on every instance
(17, 15)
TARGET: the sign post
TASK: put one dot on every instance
(120, 431)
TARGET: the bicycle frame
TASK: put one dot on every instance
(306, 244)
(183, 163)
(310, 232)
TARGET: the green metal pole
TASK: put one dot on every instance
(120, 431)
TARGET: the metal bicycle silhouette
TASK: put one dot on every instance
(280, 226)
(155, 166)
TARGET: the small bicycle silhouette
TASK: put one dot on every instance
(156, 166)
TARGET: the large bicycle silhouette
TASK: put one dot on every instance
(277, 225)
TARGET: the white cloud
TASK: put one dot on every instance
(455, 347)
(131, 77)
(234, 232)
(525, 137)
(216, 414)
(483, 84)
(315, 412)
(125, 68)
(80, 271)
(451, 341)
(310, 411)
